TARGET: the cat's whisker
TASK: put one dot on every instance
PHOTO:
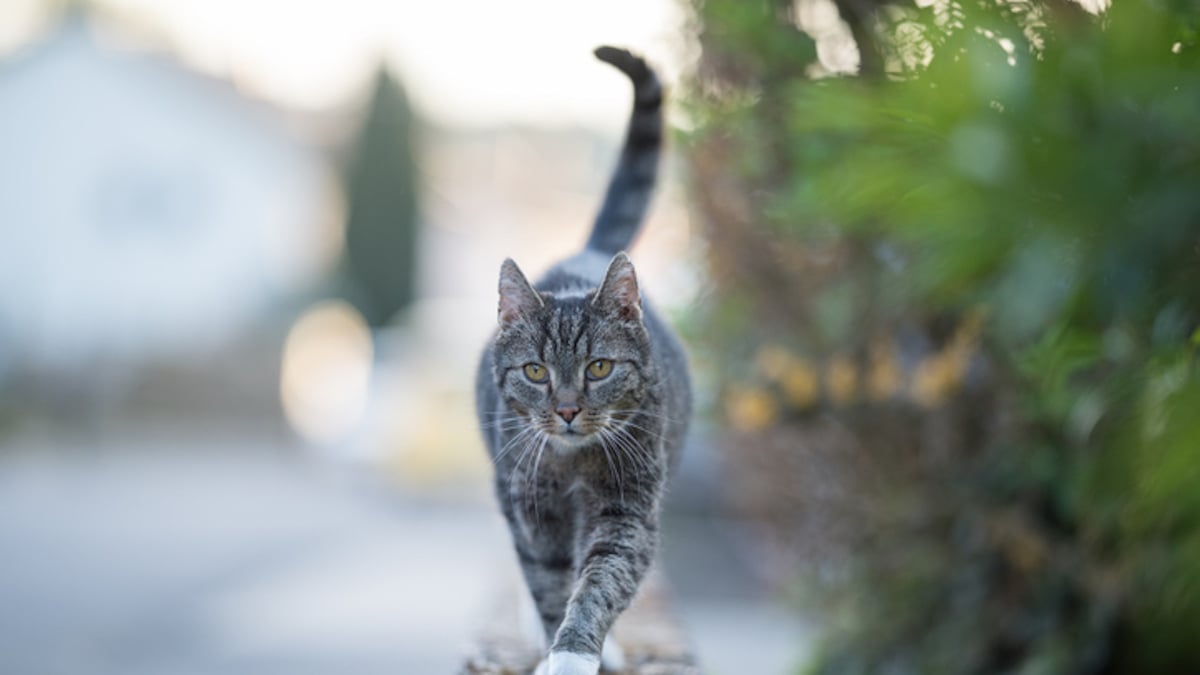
(505, 418)
(508, 430)
(624, 455)
(620, 458)
(639, 453)
(655, 431)
(650, 435)
(526, 451)
(623, 430)
(512, 443)
(612, 436)
(628, 422)
(537, 460)
(636, 412)
(507, 412)
(502, 419)
(617, 478)
(645, 464)
(503, 425)
(619, 446)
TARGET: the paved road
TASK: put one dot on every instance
(226, 559)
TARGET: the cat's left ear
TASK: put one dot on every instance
(518, 299)
(619, 291)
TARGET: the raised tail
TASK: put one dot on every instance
(633, 181)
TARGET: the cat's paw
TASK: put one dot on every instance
(568, 663)
(612, 658)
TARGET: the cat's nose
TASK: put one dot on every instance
(567, 412)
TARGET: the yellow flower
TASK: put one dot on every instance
(883, 381)
(800, 384)
(935, 379)
(750, 409)
(940, 375)
(841, 379)
(794, 375)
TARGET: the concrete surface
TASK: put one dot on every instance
(231, 558)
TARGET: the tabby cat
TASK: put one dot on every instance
(583, 398)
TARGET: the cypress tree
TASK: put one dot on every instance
(383, 202)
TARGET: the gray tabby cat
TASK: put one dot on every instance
(583, 398)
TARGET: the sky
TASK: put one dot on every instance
(469, 62)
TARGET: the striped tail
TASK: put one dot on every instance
(632, 183)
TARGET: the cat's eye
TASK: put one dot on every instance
(599, 369)
(536, 372)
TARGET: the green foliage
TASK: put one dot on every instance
(1041, 165)
(384, 214)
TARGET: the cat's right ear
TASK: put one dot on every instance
(517, 297)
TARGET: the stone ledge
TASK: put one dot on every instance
(652, 639)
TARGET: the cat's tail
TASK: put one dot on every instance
(632, 182)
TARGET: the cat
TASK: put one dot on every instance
(583, 397)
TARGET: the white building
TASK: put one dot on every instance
(146, 211)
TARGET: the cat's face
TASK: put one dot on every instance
(572, 367)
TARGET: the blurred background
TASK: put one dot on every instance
(937, 265)
(249, 256)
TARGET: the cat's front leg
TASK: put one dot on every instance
(549, 582)
(618, 546)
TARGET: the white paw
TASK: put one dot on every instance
(612, 658)
(568, 663)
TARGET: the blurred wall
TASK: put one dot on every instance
(148, 212)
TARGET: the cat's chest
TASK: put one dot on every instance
(549, 510)
(559, 477)
(563, 482)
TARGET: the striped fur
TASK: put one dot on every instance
(581, 461)
(632, 184)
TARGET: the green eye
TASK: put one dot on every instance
(599, 369)
(536, 372)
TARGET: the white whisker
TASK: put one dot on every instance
(639, 453)
(537, 460)
(511, 443)
(526, 450)
(644, 413)
(617, 478)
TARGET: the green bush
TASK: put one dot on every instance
(1003, 209)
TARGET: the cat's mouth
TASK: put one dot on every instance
(571, 435)
(572, 431)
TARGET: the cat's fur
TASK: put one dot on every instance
(580, 462)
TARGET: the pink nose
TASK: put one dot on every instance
(567, 412)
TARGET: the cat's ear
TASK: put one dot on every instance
(618, 292)
(517, 297)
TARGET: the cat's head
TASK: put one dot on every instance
(572, 366)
